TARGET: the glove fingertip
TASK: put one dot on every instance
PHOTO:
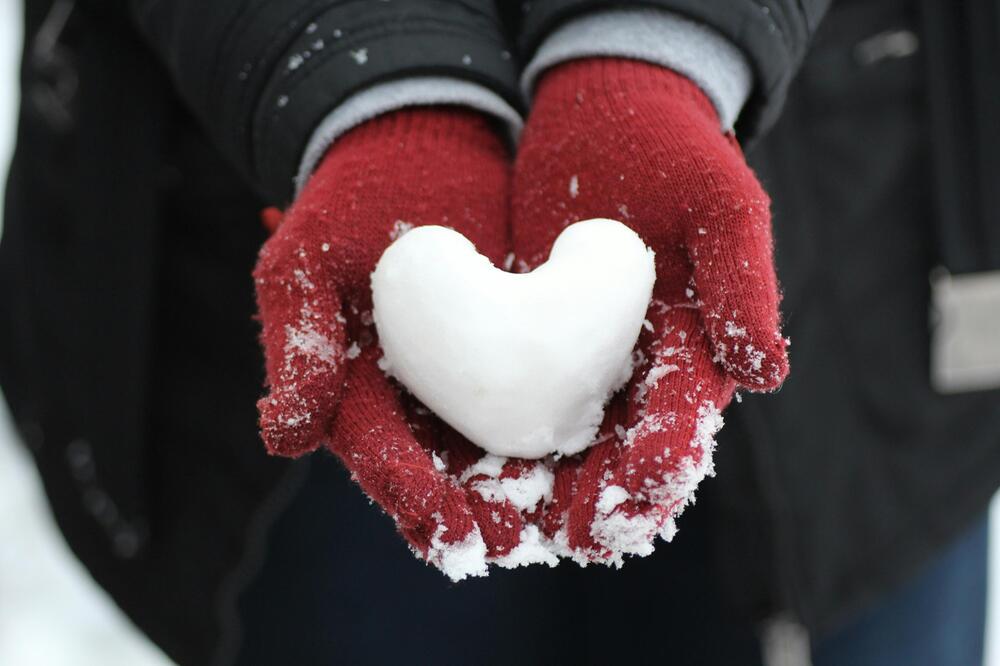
(499, 523)
(462, 559)
(271, 217)
(456, 547)
(289, 433)
(756, 366)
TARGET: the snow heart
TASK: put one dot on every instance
(521, 364)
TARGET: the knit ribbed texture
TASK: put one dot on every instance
(656, 36)
(407, 168)
(639, 143)
(399, 94)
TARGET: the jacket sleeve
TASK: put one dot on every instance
(772, 34)
(262, 75)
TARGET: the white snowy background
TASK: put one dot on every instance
(51, 612)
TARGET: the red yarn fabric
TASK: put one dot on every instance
(642, 144)
(413, 167)
(607, 138)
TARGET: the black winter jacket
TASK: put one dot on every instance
(227, 58)
(883, 168)
(151, 134)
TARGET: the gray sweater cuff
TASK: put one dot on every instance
(394, 95)
(703, 55)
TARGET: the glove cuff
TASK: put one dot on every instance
(438, 130)
(648, 92)
(394, 95)
(652, 35)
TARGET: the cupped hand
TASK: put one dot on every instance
(413, 167)
(642, 144)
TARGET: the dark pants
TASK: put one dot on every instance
(939, 619)
(339, 586)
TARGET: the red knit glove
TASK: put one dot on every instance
(642, 144)
(412, 167)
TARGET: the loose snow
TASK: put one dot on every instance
(626, 535)
(611, 497)
(662, 499)
(532, 549)
(459, 560)
(399, 227)
(524, 491)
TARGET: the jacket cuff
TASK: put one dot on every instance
(393, 95)
(772, 35)
(336, 55)
(653, 35)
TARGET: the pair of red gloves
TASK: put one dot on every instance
(606, 138)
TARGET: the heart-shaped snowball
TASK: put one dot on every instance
(521, 364)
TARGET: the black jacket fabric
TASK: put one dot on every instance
(860, 469)
(229, 60)
(151, 134)
(773, 34)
